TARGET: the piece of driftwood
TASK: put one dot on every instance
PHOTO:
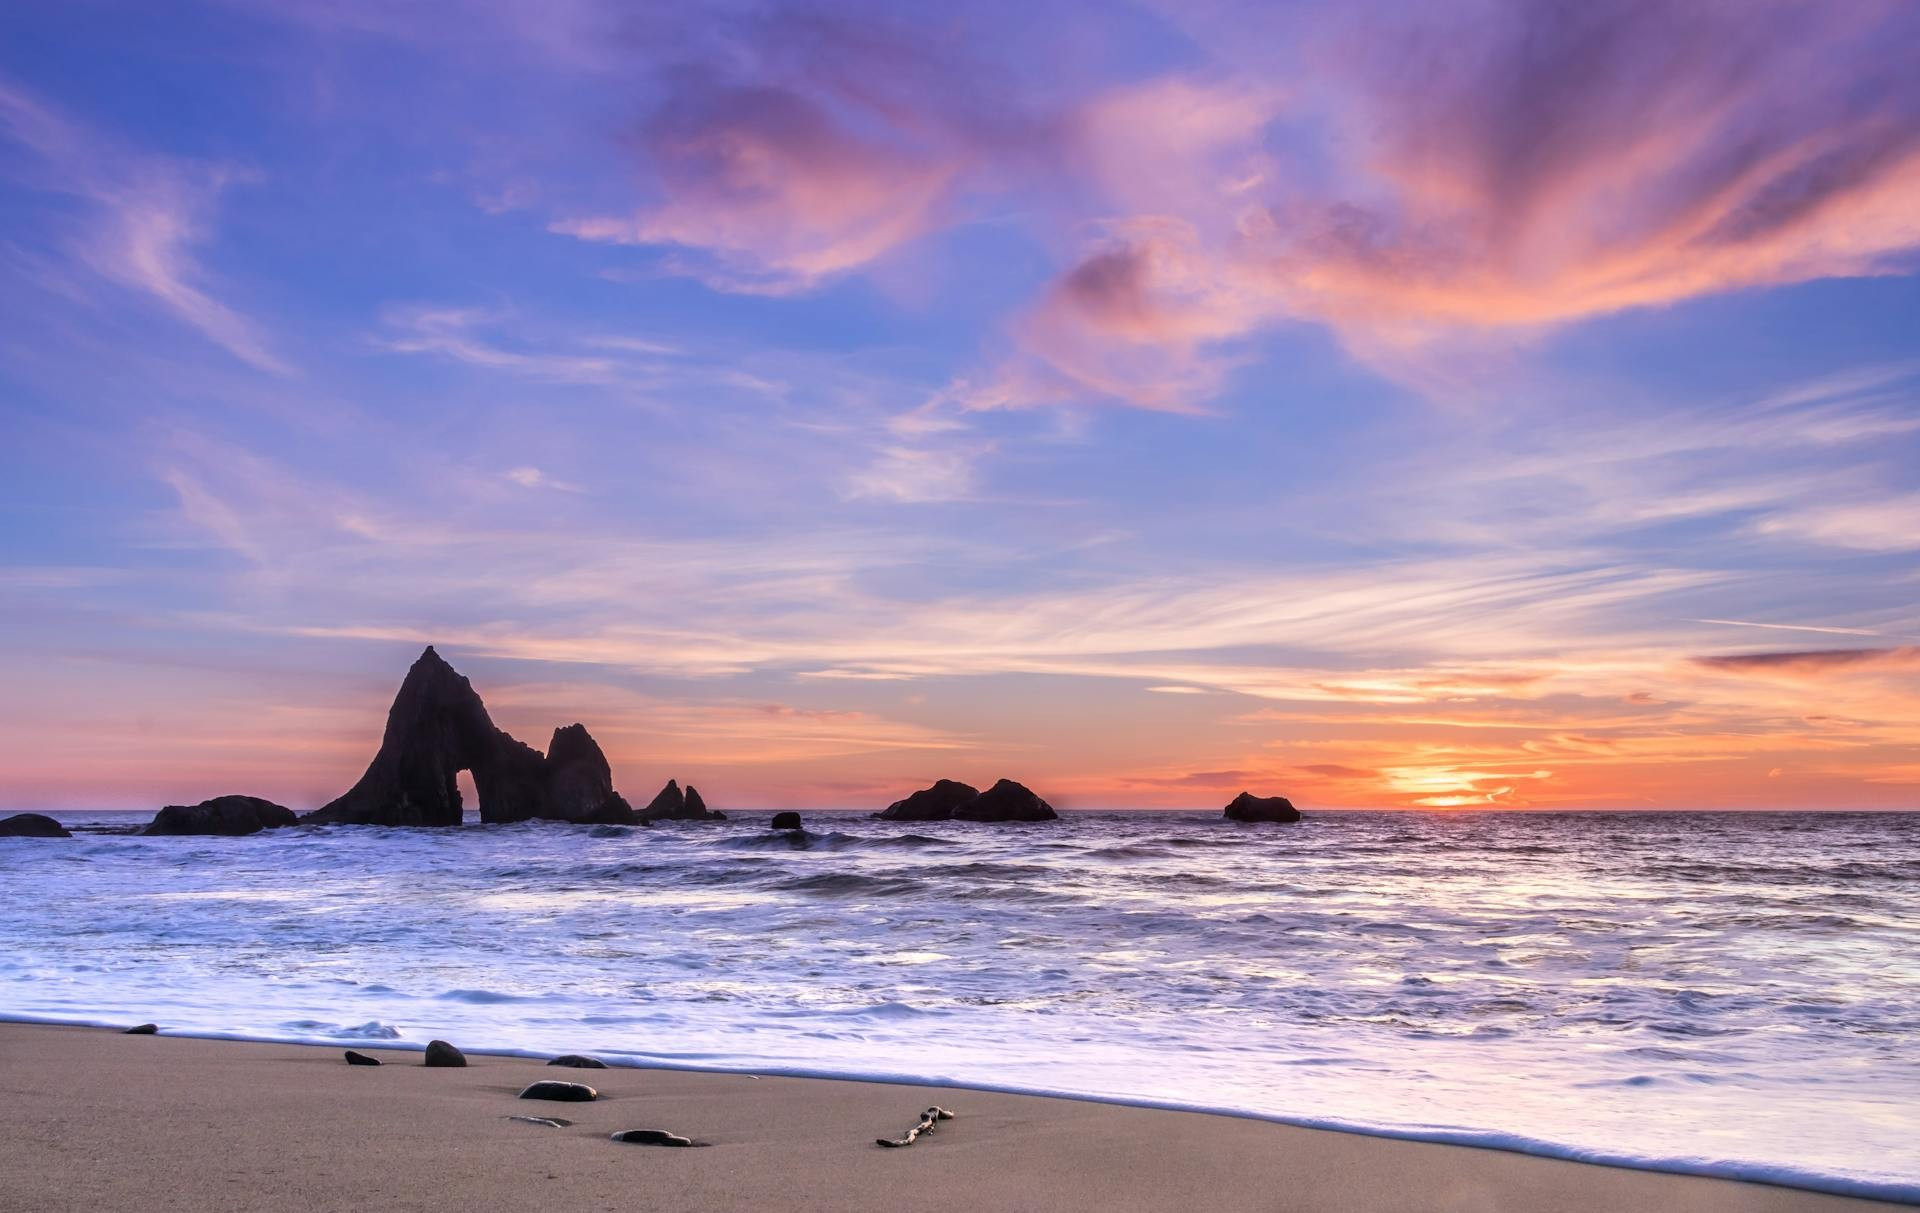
(928, 1119)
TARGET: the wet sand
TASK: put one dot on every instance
(95, 1120)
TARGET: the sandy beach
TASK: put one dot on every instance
(97, 1120)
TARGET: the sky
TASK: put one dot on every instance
(1455, 404)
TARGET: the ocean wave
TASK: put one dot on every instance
(851, 884)
(371, 1030)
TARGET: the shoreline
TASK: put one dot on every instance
(1484, 1158)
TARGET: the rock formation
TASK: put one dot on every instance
(785, 821)
(671, 804)
(32, 825)
(1248, 807)
(228, 815)
(950, 800)
(936, 803)
(437, 728)
(1005, 801)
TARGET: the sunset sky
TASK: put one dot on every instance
(1441, 404)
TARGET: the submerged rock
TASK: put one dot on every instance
(578, 1062)
(231, 816)
(444, 1056)
(32, 825)
(145, 1029)
(786, 821)
(936, 803)
(438, 727)
(1005, 801)
(672, 804)
(563, 1092)
(1248, 807)
(361, 1059)
(654, 1137)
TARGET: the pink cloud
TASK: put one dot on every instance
(780, 191)
(1479, 169)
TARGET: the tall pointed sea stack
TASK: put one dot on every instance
(437, 728)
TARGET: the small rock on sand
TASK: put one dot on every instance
(145, 1029)
(361, 1059)
(654, 1137)
(442, 1055)
(545, 1122)
(564, 1092)
(578, 1062)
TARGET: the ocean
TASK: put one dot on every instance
(1729, 994)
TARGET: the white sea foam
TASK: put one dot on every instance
(1719, 994)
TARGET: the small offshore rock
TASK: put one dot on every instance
(578, 1062)
(1006, 801)
(936, 803)
(145, 1029)
(549, 1122)
(233, 816)
(563, 1092)
(32, 825)
(786, 821)
(654, 1137)
(442, 1055)
(1248, 807)
(361, 1059)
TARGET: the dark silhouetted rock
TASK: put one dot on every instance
(438, 727)
(1005, 801)
(361, 1059)
(697, 809)
(667, 804)
(786, 821)
(579, 782)
(674, 805)
(145, 1029)
(563, 1092)
(228, 815)
(936, 803)
(577, 1062)
(654, 1137)
(1248, 807)
(443, 1056)
(32, 825)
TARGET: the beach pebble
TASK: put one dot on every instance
(361, 1059)
(548, 1122)
(654, 1137)
(565, 1092)
(443, 1055)
(145, 1029)
(577, 1062)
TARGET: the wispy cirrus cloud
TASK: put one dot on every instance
(144, 217)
